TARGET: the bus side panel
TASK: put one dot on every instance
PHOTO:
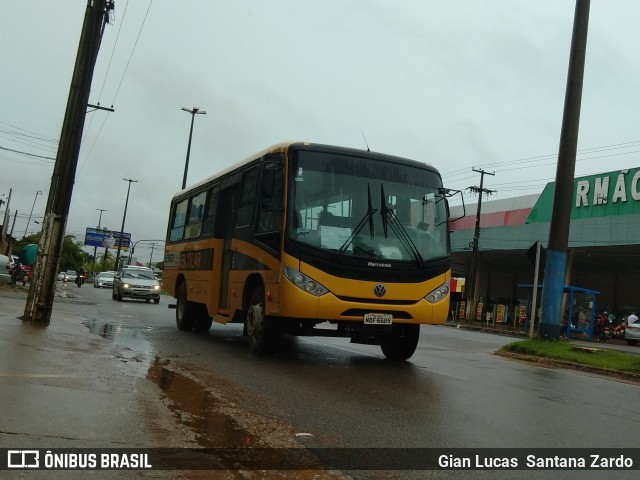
(199, 265)
(249, 260)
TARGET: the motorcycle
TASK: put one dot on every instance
(80, 279)
(603, 329)
(618, 331)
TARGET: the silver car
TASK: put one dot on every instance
(103, 279)
(632, 333)
(5, 272)
(70, 276)
(136, 282)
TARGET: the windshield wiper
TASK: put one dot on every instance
(389, 219)
(367, 216)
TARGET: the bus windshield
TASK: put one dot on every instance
(368, 208)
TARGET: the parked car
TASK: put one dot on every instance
(70, 276)
(136, 282)
(632, 333)
(103, 279)
(5, 269)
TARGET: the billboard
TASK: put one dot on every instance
(95, 237)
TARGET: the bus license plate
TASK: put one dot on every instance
(378, 319)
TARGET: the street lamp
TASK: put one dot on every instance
(124, 216)
(133, 248)
(95, 248)
(32, 207)
(193, 112)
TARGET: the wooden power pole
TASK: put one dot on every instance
(475, 244)
(41, 292)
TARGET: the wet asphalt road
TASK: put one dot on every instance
(322, 392)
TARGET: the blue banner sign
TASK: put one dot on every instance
(106, 238)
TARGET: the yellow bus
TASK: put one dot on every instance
(310, 239)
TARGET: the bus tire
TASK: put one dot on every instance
(203, 320)
(262, 330)
(185, 311)
(401, 342)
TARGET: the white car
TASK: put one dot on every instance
(632, 333)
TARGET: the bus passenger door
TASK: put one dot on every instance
(228, 206)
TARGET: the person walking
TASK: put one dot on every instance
(16, 272)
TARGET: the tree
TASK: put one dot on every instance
(20, 244)
(105, 261)
(72, 258)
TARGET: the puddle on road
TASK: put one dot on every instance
(110, 330)
(213, 411)
(234, 437)
(131, 347)
(198, 409)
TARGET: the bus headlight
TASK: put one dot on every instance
(438, 294)
(305, 283)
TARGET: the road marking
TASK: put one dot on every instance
(35, 375)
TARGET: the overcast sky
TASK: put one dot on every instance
(456, 83)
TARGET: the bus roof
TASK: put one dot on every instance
(316, 147)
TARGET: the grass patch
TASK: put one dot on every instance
(604, 358)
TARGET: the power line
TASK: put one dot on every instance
(132, 51)
(104, 82)
(20, 152)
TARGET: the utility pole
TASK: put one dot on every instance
(555, 270)
(151, 256)
(32, 207)
(5, 222)
(475, 257)
(40, 299)
(193, 112)
(95, 249)
(124, 216)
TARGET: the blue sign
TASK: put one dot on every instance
(106, 238)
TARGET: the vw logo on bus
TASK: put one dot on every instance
(379, 290)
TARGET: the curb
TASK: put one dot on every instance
(497, 331)
(571, 365)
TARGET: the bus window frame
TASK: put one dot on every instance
(267, 233)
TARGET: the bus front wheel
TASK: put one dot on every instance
(185, 318)
(401, 342)
(203, 320)
(262, 330)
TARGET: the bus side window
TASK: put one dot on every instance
(248, 198)
(212, 206)
(179, 220)
(196, 212)
(269, 225)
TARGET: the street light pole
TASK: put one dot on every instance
(95, 249)
(193, 112)
(124, 216)
(32, 207)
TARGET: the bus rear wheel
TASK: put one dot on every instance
(185, 311)
(262, 330)
(401, 342)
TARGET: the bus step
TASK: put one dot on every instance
(171, 305)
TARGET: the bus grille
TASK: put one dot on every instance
(377, 301)
(360, 312)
